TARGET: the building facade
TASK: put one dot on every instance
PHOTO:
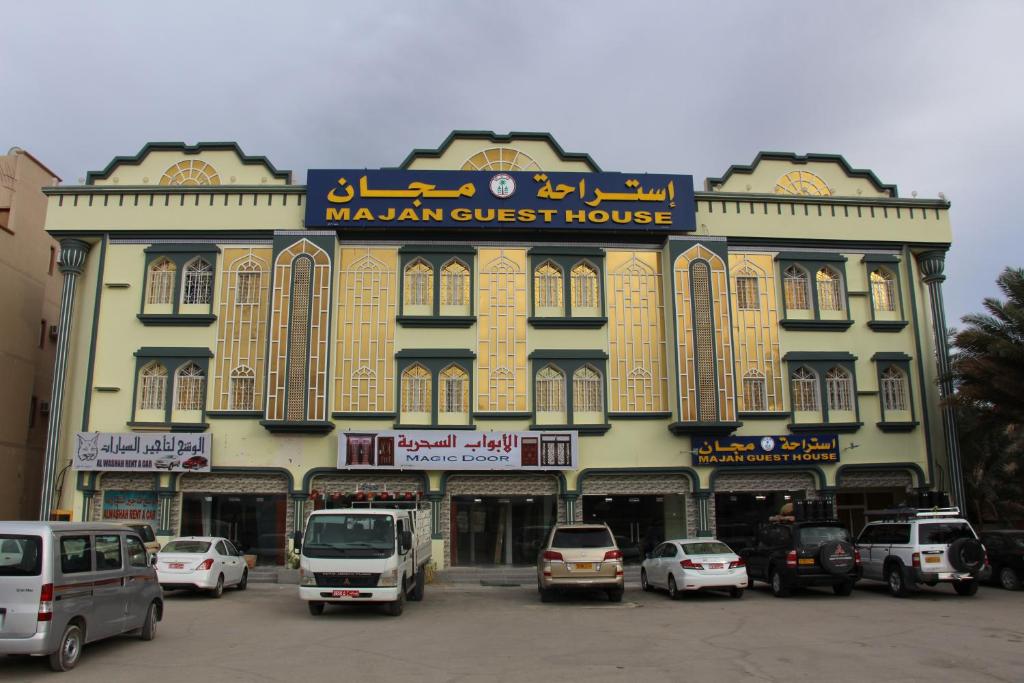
(503, 330)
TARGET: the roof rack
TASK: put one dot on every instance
(905, 513)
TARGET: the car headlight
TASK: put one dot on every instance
(306, 579)
(388, 579)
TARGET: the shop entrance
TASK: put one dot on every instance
(852, 506)
(737, 515)
(499, 530)
(638, 522)
(254, 523)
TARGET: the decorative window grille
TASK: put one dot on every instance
(416, 389)
(454, 284)
(243, 388)
(247, 287)
(883, 290)
(829, 294)
(419, 284)
(550, 390)
(587, 395)
(500, 159)
(755, 391)
(160, 288)
(547, 285)
(805, 391)
(795, 284)
(585, 291)
(197, 283)
(454, 390)
(839, 386)
(153, 387)
(747, 298)
(189, 382)
(894, 390)
(555, 450)
(705, 346)
(190, 172)
(298, 338)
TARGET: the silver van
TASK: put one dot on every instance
(64, 584)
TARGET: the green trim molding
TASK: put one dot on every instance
(496, 138)
(92, 176)
(589, 472)
(179, 320)
(297, 426)
(800, 159)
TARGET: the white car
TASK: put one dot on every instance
(201, 563)
(691, 564)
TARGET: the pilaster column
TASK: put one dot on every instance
(299, 511)
(932, 265)
(164, 501)
(72, 261)
(570, 506)
(435, 500)
(703, 514)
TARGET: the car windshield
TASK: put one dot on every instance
(596, 537)
(144, 530)
(816, 535)
(350, 535)
(943, 533)
(186, 547)
(20, 555)
(706, 548)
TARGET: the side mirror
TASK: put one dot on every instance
(152, 560)
(406, 540)
(298, 541)
(648, 555)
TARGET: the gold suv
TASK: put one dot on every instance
(580, 557)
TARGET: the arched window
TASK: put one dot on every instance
(585, 290)
(830, 295)
(247, 285)
(797, 291)
(416, 382)
(189, 383)
(547, 286)
(243, 388)
(747, 295)
(454, 284)
(550, 390)
(755, 391)
(152, 387)
(805, 391)
(894, 390)
(839, 386)
(197, 282)
(883, 290)
(419, 284)
(587, 394)
(454, 388)
(160, 285)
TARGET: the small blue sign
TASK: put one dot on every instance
(787, 449)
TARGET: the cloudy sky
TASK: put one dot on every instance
(927, 94)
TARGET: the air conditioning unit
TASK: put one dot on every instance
(53, 332)
(44, 407)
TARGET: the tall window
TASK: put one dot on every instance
(160, 287)
(747, 298)
(755, 391)
(243, 388)
(797, 290)
(547, 286)
(839, 386)
(883, 290)
(894, 390)
(197, 283)
(585, 290)
(189, 383)
(416, 389)
(805, 391)
(829, 290)
(419, 284)
(587, 396)
(247, 286)
(550, 390)
(454, 390)
(454, 284)
(152, 387)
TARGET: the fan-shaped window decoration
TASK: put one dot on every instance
(797, 289)
(755, 391)
(829, 290)
(416, 390)
(152, 387)
(587, 394)
(803, 183)
(550, 390)
(454, 390)
(189, 383)
(547, 286)
(197, 283)
(247, 287)
(500, 159)
(747, 298)
(160, 288)
(883, 290)
(454, 284)
(585, 290)
(243, 388)
(894, 390)
(419, 284)
(805, 391)
(190, 172)
(839, 387)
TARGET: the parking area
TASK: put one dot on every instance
(470, 633)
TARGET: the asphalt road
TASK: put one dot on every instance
(468, 633)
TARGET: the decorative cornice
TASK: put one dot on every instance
(72, 255)
(491, 136)
(867, 174)
(933, 265)
(92, 176)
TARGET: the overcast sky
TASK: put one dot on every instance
(929, 95)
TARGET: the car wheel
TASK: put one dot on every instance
(244, 581)
(148, 631)
(897, 583)
(396, 608)
(644, 584)
(735, 592)
(965, 587)
(315, 608)
(218, 590)
(70, 649)
(779, 587)
(615, 595)
(1009, 579)
(673, 592)
(418, 586)
(845, 588)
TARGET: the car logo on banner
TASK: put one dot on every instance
(502, 185)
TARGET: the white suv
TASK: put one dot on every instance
(905, 547)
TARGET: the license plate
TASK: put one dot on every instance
(584, 565)
(933, 560)
(344, 594)
(175, 565)
(806, 560)
(716, 565)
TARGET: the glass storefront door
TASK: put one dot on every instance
(737, 515)
(254, 523)
(499, 530)
(638, 522)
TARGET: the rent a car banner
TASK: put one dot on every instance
(358, 198)
(787, 449)
(131, 452)
(436, 449)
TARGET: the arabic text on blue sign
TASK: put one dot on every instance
(787, 449)
(514, 199)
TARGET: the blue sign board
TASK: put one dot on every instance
(399, 199)
(129, 506)
(788, 449)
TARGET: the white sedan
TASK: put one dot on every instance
(690, 564)
(201, 562)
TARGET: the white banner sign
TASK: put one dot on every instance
(133, 452)
(436, 449)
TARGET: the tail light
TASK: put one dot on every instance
(791, 558)
(986, 559)
(205, 565)
(690, 564)
(46, 602)
(856, 558)
(552, 556)
(613, 555)
(916, 560)
(736, 564)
